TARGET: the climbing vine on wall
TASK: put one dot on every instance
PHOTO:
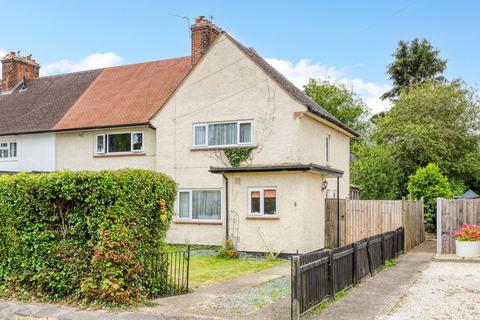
(238, 155)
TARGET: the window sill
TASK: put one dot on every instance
(262, 218)
(197, 222)
(8, 160)
(110, 155)
(222, 147)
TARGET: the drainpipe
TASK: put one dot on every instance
(226, 207)
(338, 211)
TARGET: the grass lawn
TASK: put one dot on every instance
(210, 269)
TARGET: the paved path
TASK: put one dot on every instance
(377, 296)
(189, 306)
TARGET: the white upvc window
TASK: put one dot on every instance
(199, 204)
(262, 201)
(223, 134)
(119, 143)
(327, 148)
(8, 150)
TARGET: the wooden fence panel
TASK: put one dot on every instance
(451, 214)
(361, 219)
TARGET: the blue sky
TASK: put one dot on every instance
(348, 41)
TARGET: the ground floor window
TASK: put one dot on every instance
(262, 201)
(8, 150)
(199, 204)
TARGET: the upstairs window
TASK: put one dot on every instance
(222, 134)
(327, 148)
(262, 201)
(8, 150)
(119, 143)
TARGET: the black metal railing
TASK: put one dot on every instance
(319, 275)
(166, 273)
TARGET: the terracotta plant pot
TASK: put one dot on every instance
(468, 249)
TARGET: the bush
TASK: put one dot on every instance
(429, 183)
(82, 235)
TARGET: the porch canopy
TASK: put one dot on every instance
(327, 171)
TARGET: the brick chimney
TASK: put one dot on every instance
(204, 32)
(15, 67)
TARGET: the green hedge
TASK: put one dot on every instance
(81, 235)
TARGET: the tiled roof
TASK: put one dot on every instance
(289, 87)
(44, 102)
(126, 95)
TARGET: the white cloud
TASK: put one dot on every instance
(93, 61)
(299, 73)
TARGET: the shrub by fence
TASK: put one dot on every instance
(82, 235)
(319, 275)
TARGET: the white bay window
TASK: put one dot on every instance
(199, 204)
(223, 134)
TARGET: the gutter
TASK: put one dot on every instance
(226, 207)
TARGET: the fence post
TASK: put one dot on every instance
(439, 225)
(295, 287)
(383, 249)
(330, 272)
(355, 263)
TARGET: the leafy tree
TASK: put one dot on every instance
(429, 183)
(435, 123)
(376, 169)
(341, 101)
(415, 62)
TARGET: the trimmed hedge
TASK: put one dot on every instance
(82, 235)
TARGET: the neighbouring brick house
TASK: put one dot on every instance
(179, 116)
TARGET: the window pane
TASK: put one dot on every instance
(184, 205)
(100, 144)
(222, 134)
(137, 141)
(270, 201)
(255, 202)
(200, 135)
(119, 142)
(327, 147)
(206, 204)
(13, 149)
(3, 153)
(245, 132)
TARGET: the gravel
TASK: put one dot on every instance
(251, 299)
(446, 290)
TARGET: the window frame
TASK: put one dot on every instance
(8, 148)
(328, 143)
(262, 202)
(105, 143)
(190, 207)
(206, 126)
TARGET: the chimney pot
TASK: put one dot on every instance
(204, 33)
(15, 68)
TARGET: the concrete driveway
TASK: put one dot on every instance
(377, 296)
